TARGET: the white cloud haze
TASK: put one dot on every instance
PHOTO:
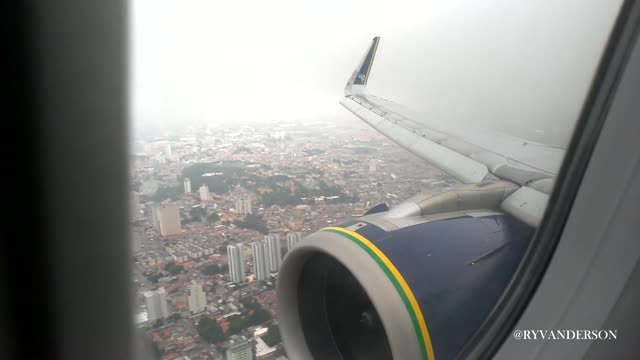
(501, 63)
(214, 61)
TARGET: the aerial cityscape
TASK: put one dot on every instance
(215, 210)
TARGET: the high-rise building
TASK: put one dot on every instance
(197, 297)
(235, 256)
(169, 219)
(156, 302)
(247, 206)
(293, 238)
(238, 348)
(243, 206)
(136, 236)
(204, 192)
(154, 216)
(259, 260)
(187, 185)
(274, 254)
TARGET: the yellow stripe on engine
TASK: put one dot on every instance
(399, 279)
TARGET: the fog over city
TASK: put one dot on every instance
(210, 62)
(201, 62)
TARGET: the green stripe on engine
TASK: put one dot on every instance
(396, 283)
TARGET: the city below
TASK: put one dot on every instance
(214, 212)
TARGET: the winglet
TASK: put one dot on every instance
(361, 73)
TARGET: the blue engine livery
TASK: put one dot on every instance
(456, 269)
(365, 68)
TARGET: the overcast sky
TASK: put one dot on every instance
(236, 61)
(501, 63)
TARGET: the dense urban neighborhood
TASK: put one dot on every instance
(214, 212)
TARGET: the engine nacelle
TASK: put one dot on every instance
(386, 287)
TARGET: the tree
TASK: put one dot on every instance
(253, 222)
(210, 331)
(272, 337)
(274, 179)
(213, 218)
(259, 316)
(258, 313)
(158, 323)
(153, 278)
(164, 193)
(157, 352)
(173, 269)
(213, 270)
(236, 324)
(188, 221)
(250, 303)
(198, 212)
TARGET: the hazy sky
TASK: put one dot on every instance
(229, 61)
(521, 67)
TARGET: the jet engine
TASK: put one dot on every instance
(412, 282)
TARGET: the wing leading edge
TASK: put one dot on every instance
(470, 155)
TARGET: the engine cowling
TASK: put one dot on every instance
(383, 287)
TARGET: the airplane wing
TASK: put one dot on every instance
(471, 154)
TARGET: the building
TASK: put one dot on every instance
(197, 297)
(136, 236)
(261, 349)
(274, 254)
(293, 238)
(278, 134)
(260, 260)
(187, 185)
(238, 348)
(243, 206)
(236, 263)
(156, 302)
(372, 166)
(169, 220)
(154, 216)
(204, 192)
